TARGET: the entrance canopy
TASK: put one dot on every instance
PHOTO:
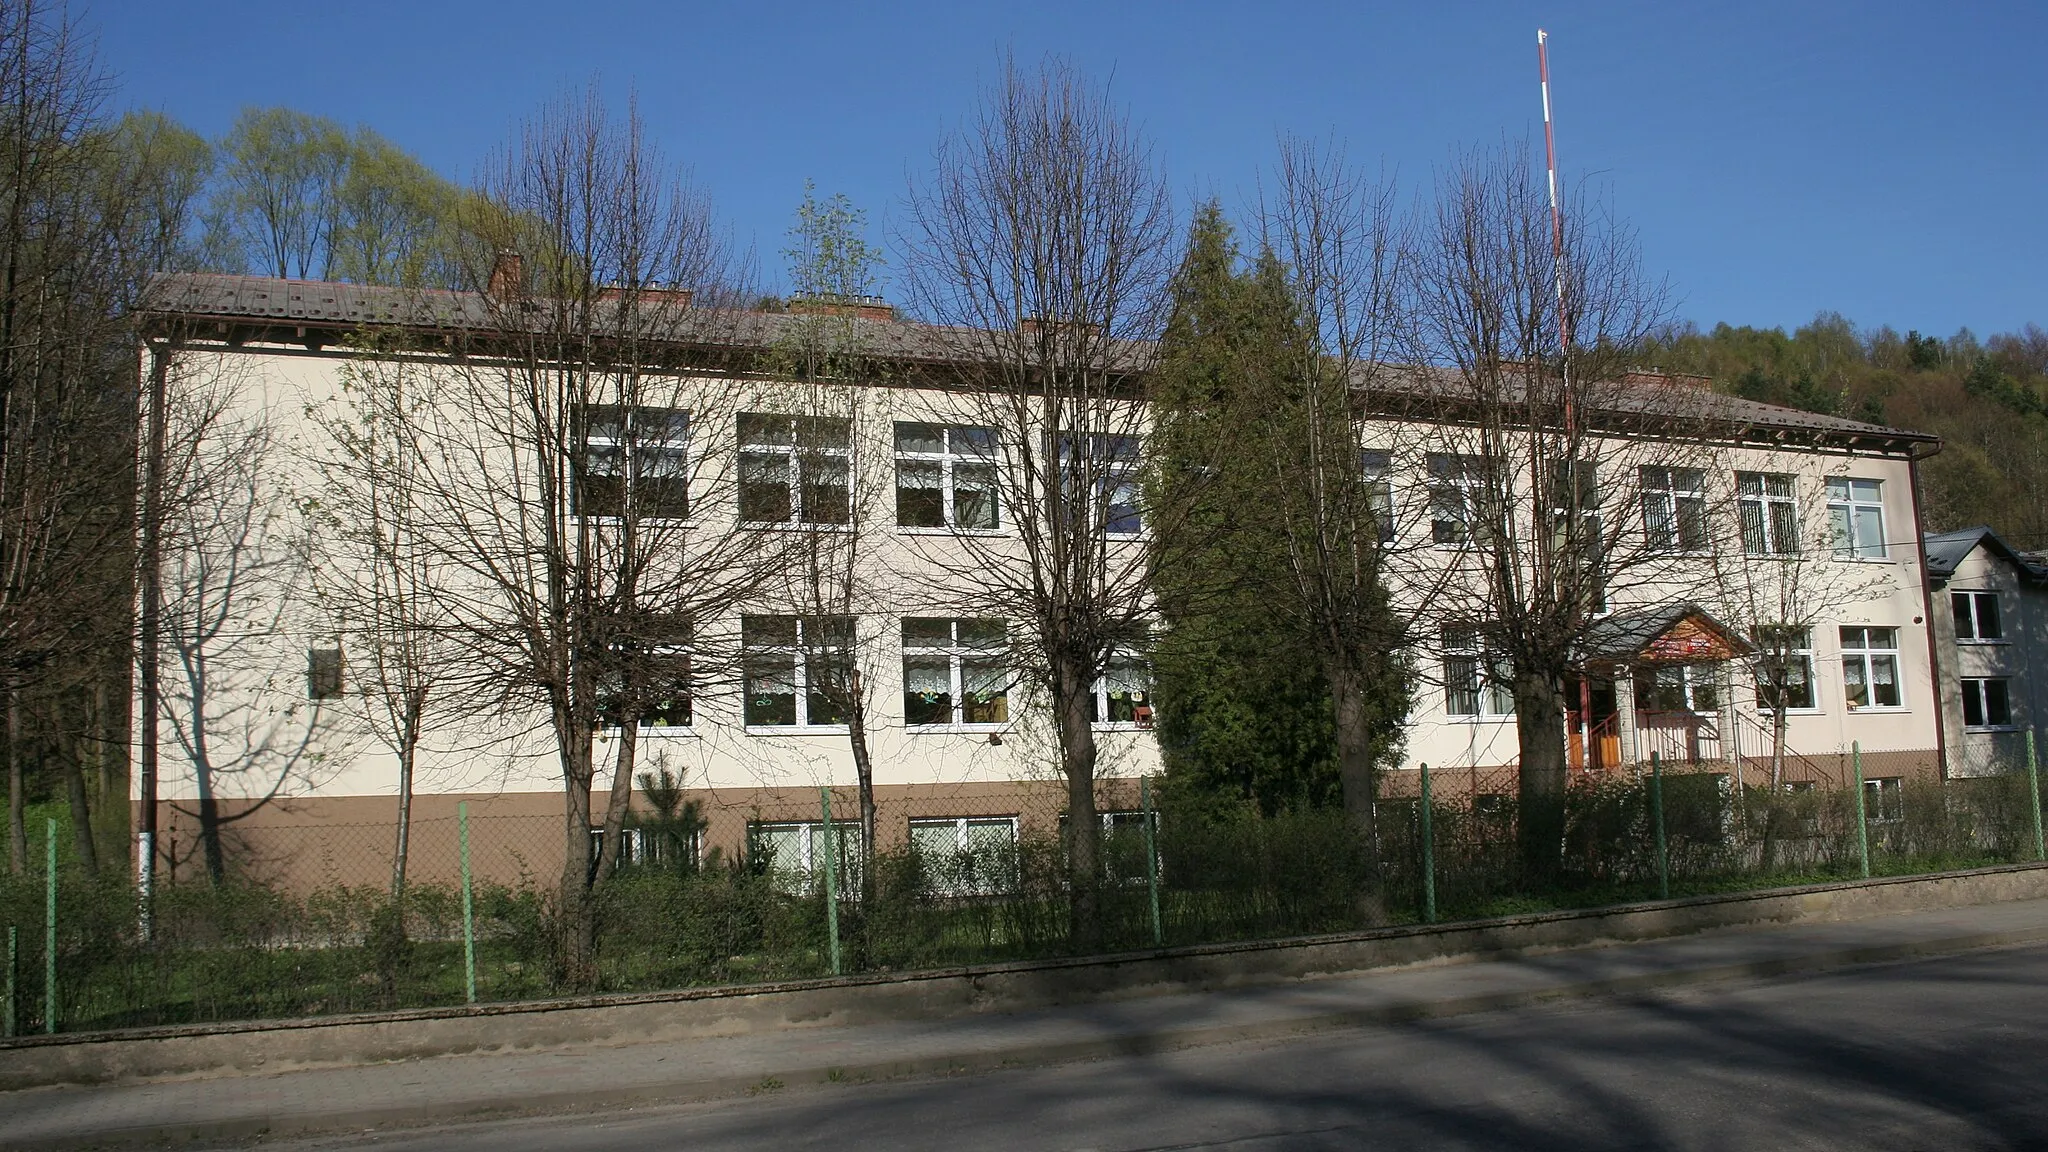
(1672, 634)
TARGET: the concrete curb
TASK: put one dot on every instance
(278, 1045)
(1022, 1055)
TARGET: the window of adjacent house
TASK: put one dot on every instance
(1691, 688)
(1476, 681)
(1768, 505)
(795, 669)
(1884, 799)
(1976, 615)
(967, 856)
(1455, 487)
(1378, 466)
(637, 460)
(793, 854)
(1675, 509)
(795, 469)
(1123, 693)
(660, 667)
(1987, 703)
(946, 477)
(323, 673)
(1106, 464)
(1856, 518)
(1784, 667)
(1870, 667)
(955, 672)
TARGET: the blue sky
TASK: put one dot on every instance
(1882, 160)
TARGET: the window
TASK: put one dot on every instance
(1856, 518)
(1455, 487)
(1870, 667)
(660, 667)
(796, 670)
(968, 856)
(1976, 615)
(1769, 508)
(946, 477)
(1107, 465)
(1378, 466)
(635, 460)
(1123, 694)
(795, 469)
(1678, 688)
(1784, 668)
(675, 848)
(1884, 799)
(955, 672)
(1476, 681)
(793, 853)
(323, 673)
(1987, 703)
(1675, 509)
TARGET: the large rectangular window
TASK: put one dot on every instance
(1675, 509)
(1456, 485)
(1987, 702)
(1856, 518)
(966, 856)
(793, 854)
(635, 462)
(797, 670)
(1768, 505)
(1378, 466)
(795, 469)
(1123, 694)
(955, 672)
(1870, 667)
(946, 477)
(1678, 688)
(1477, 681)
(1100, 471)
(656, 665)
(1784, 668)
(1976, 616)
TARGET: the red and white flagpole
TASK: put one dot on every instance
(1564, 338)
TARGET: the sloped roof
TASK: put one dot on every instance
(1946, 552)
(1629, 635)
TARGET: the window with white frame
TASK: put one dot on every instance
(1123, 693)
(795, 670)
(1870, 668)
(1856, 518)
(1106, 466)
(967, 855)
(1884, 799)
(1767, 504)
(955, 672)
(1976, 616)
(1987, 702)
(1784, 668)
(674, 848)
(635, 460)
(1678, 688)
(1477, 681)
(656, 665)
(1675, 509)
(793, 853)
(1378, 466)
(1456, 488)
(795, 469)
(946, 477)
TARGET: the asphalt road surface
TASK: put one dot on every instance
(1949, 1053)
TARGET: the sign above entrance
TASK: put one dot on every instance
(1689, 641)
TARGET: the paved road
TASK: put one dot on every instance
(1950, 1053)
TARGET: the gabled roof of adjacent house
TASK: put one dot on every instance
(1669, 634)
(318, 313)
(1946, 552)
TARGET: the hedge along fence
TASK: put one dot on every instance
(243, 950)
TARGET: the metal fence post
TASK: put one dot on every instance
(1428, 854)
(10, 1023)
(468, 907)
(50, 929)
(1862, 818)
(1657, 818)
(1151, 858)
(831, 880)
(2034, 797)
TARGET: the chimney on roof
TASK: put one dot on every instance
(1656, 376)
(508, 275)
(865, 307)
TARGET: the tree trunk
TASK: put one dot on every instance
(17, 794)
(1358, 769)
(1084, 829)
(619, 802)
(1778, 745)
(81, 813)
(579, 922)
(864, 774)
(1539, 716)
(402, 849)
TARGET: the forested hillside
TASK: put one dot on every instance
(1987, 399)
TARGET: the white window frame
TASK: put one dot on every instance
(794, 456)
(1884, 799)
(1977, 689)
(1770, 494)
(1867, 655)
(1111, 467)
(1491, 691)
(1672, 500)
(951, 457)
(957, 653)
(1454, 478)
(1853, 504)
(809, 874)
(1377, 465)
(1141, 708)
(800, 653)
(963, 828)
(1801, 653)
(647, 724)
(612, 433)
(1968, 605)
(1691, 679)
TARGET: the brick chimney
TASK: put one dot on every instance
(508, 275)
(865, 307)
